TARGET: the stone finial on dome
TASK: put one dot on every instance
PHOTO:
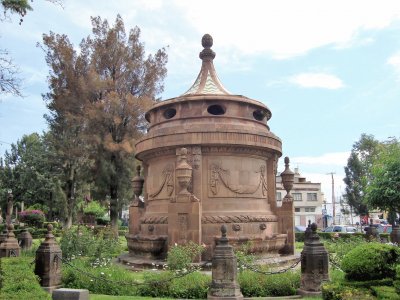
(207, 81)
(207, 42)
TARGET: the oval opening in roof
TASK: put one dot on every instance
(216, 110)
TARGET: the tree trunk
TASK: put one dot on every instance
(70, 203)
(114, 208)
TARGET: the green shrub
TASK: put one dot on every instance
(385, 292)
(182, 256)
(244, 256)
(94, 208)
(396, 282)
(338, 291)
(32, 217)
(160, 284)
(192, 286)
(258, 285)
(82, 241)
(371, 261)
(299, 236)
(338, 248)
(99, 277)
(18, 281)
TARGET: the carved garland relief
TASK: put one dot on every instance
(221, 177)
(166, 183)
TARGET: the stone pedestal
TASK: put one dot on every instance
(314, 264)
(48, 262)
(9, 247)
(25, 239)
(224, 283)
(3, 235)
(184, 220)
(395, 235)
(371, 232)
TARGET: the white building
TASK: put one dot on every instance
(307, 199)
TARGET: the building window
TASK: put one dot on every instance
(311, 196)
(297, 197)
(278, 196)
(309, 209)
(297, 209)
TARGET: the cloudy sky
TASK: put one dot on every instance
(328, 70)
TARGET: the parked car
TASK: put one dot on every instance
(340, 228)
(383, 228)
(299, 228)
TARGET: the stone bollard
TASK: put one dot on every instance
(3, 235)
(9, 247)
(314, 264)
(372, 232)
(25, 239)
(224, 283)
(395, 235)
(48, 262)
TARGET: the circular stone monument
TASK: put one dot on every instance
(209, 158)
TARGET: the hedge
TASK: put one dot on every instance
(18, 281)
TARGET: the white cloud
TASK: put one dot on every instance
(317, 80)
(287, 28)
(335, 159)
(394, 61)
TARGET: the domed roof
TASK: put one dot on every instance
(207, 82)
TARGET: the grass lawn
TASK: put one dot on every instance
(108, 297)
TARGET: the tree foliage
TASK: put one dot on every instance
(97, 100)
(358, 173)
(383, 191)
(28, 170)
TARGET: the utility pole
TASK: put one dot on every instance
(333, 198)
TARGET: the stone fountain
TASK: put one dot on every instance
(209, 158)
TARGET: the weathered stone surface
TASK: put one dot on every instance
(25, 239)
(224, 283)
(395, 235)
(209, 156)
(314, 263)
(70, 294)
(48, 262)
(9, 247)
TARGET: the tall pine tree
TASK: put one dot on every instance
(98, 98)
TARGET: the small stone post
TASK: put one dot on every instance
(48, 262)
(9, 247)
(372, 232)
(25, 239)
(395, 234)
(3, 235)
(224, 283)
(314, 263)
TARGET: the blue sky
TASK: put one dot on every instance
(328, 70)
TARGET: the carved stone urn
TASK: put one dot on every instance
(183, 172)
(287, 180)
(137, 186)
